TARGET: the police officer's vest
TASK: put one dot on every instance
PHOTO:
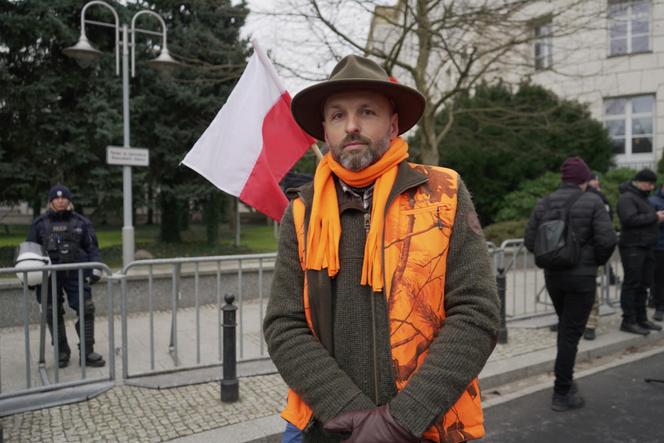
(417, 233)
(62, 239)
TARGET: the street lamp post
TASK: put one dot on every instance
(85, 54)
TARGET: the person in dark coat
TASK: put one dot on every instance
(657, 289)
(68, 237)
(572, 290)
(639, 223)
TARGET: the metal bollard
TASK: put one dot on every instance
(230, 386)
(501, 280)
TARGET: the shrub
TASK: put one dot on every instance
(520, 203)
(499, 232)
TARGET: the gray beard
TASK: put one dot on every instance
(358, 161)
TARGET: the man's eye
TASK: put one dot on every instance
(335, 116)
(368, 112)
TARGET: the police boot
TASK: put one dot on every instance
(63, 347)
(91, 357)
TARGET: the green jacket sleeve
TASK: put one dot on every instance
(302, 361)
(468, 335)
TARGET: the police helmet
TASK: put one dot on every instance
(29, 255)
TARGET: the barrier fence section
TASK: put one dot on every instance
(195, 313)
(171, 312)
(525, 289)
(50, 376)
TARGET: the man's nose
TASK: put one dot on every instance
(352, 124)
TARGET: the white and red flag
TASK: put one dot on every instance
(253, 141)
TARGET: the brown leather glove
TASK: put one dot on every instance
(371, 426)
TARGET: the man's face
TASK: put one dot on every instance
(359, 126)
(645, 186)
(60, 203)
(594, 183)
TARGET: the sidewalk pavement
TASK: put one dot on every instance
(195, 413)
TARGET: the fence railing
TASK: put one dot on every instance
(525, 290)
(49, 376)
(207, 307)
(175, 324)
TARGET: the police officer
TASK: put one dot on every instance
(68, 237)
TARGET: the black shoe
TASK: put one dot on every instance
(589, 334)
(659, 315)
(561, 403)
(650, 325)
(573, 389)
(63, 359)
(95, 360)
(634, 328)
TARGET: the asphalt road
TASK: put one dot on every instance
(620, 407)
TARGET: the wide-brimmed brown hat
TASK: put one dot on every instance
(355, 73)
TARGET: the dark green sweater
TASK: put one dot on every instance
(347, 382)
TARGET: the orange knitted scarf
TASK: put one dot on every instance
(324, 226)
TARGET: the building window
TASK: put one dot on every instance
(543, 46)
(630, 124)
(629, 26)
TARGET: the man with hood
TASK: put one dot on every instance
(383, 307)
(572, 290)
(68, 237)
(638, 235)
(657, 288)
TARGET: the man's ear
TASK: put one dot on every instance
(394, 125)
(325, 134)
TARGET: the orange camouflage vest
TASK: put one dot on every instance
(417, 233)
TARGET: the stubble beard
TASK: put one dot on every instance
(358, 160)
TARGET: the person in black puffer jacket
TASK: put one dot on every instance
(657, 288)
(639, 231)
(572, 291)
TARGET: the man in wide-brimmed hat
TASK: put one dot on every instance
(383, 308)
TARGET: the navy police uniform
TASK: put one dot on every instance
(68, 237)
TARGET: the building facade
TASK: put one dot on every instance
(608, 54)
(617, 67)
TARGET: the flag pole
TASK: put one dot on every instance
(319, 155)
(270, 69)
(268, 65)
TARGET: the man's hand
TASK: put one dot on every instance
(371, 426)
(94, 277)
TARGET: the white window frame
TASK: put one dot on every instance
(543, 40)
(629, 20)
(627, 117)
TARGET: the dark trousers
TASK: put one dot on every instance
(658, 283)
(638, 265)
(67, 283)
(573, 298)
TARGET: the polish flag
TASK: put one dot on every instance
(253, 141)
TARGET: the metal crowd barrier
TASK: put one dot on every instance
(79, 385)
(191, 292)
(249, 323)
(525, 289)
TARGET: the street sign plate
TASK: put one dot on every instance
(116, 155)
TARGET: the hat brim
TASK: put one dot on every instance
(307, 105)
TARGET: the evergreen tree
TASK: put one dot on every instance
(57, 118)
(171, 112)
